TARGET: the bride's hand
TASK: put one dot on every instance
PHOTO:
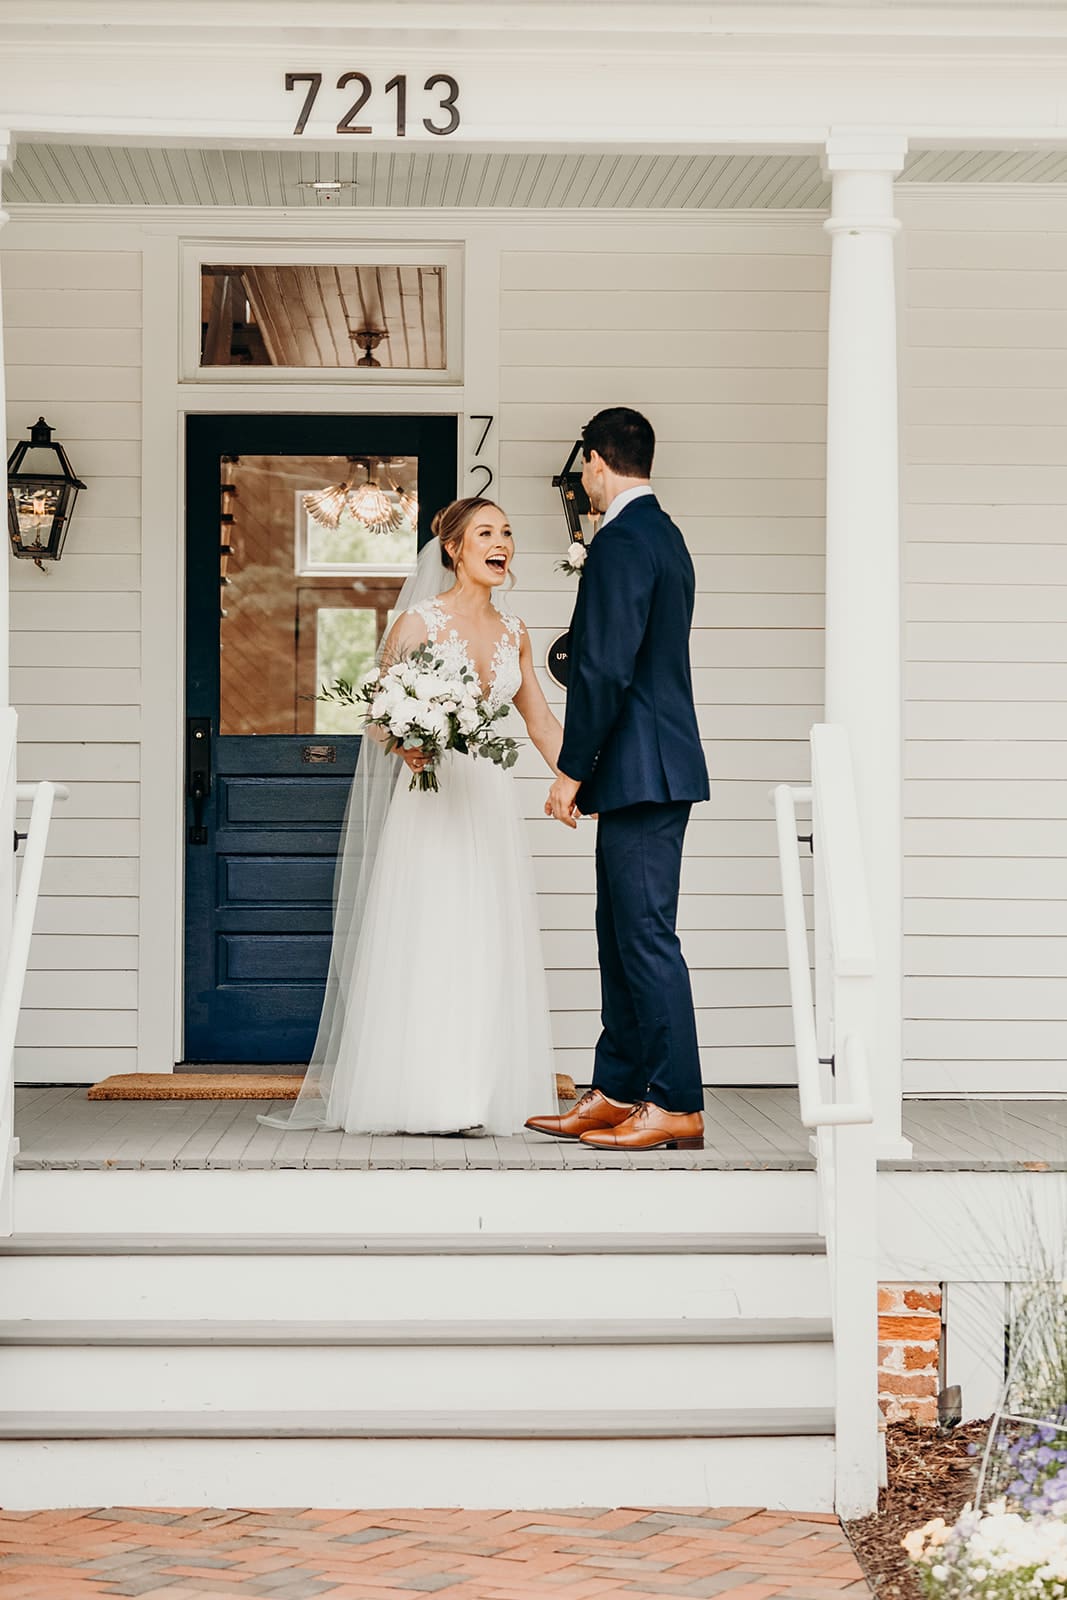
(414, 759)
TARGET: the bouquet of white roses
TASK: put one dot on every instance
(995, 1554)
(418, 703)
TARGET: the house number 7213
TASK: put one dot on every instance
(441, 83)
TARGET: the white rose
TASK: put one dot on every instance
(577, 553)
(468, 720)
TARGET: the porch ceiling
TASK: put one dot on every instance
(45, 174)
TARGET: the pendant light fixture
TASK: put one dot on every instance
(367, 502)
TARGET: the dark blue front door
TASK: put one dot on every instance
(299, 532)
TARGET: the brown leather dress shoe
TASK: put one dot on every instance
(651, 1128)
(592, 1111)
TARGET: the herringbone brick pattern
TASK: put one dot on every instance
(740, 1553)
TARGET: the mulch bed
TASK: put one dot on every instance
(931, 1474)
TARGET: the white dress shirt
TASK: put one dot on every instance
(622, 500)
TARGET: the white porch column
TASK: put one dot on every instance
(863, 653)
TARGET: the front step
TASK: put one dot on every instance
(794, 1423)
(735, 1330)
(413, 1244)
(222, 1368)
(484, 1402)
(335, 1280)
(65, 1466)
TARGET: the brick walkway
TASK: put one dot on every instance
(741, 1553)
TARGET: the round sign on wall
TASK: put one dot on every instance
(558, 660)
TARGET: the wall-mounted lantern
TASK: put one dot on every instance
(575, 500)
(40, 500)
(575, 507)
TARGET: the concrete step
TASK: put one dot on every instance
(756, 1422)
(342, 1287)
(568, 1362)
(516, 1208)
(522, 1461)
(143, 1332)
(416, 1244)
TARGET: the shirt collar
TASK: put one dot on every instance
(621, 501)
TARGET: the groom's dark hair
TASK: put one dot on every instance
(623, 439)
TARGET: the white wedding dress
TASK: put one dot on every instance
(436, 1015)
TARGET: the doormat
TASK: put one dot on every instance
(226, 1086)
(197, 1086)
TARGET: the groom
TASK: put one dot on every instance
(632, 754)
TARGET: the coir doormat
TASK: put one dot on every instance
(226, 1086)
(197, 1086)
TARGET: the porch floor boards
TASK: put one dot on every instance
(746, 1129)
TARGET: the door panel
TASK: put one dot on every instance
(277, 603)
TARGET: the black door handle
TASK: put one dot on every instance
(198, 773)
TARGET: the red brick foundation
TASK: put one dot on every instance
(909, 1350)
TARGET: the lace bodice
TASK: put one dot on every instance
(505, 676)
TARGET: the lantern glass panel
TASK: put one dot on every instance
(37, 505)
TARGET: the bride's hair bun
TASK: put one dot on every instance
(450, 524)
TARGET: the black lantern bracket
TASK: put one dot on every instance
(40, 503)
(575, 500)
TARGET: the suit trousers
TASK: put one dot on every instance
(648, 1047)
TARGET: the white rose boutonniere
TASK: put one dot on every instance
(574, 560)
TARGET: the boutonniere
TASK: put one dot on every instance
(574, 560)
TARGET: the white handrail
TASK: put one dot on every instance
(43, 795)
(12, 983)
(815, 1112)
(838, 1107)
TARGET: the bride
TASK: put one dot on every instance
(435, 1018)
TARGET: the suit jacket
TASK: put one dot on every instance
(631, 728)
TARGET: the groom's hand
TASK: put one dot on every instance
(561, 801)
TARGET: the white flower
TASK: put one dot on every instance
(468, 719)
(576, 553)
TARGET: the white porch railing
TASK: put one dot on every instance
(22, 906)
(832, 1027)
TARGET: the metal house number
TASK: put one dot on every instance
(440, 84)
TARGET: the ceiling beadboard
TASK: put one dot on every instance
(101, 175)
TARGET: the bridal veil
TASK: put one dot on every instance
(375, 779)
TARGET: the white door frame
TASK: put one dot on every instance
(167, 401)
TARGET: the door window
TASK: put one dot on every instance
(313, 553)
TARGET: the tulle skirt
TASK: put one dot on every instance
(446, 1018)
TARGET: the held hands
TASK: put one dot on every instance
(561, 801)
(413, 759)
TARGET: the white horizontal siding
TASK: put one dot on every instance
(723, 347)
(985, 401)
(73, 354)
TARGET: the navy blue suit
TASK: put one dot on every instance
(631, 740)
